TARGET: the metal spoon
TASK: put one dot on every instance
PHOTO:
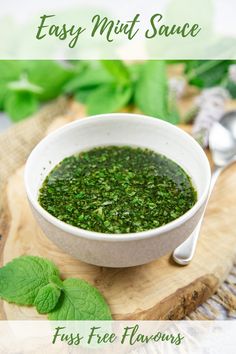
(222, 143)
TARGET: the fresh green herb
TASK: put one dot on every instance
(22, 278)
(120, 84)
(80, 301)
(103, 86)
(10, 70)
(83, 95)
(50, 75)
(30, 280)
(25, 84)
(20, 104)
(47, 298)
(118, 70)
(206, 73)
(117, 190)
(3, 91)
(108, 98)
(90, 78)
(151, 91)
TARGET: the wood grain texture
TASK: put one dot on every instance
(159, 290)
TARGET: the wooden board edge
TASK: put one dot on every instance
(189, 298)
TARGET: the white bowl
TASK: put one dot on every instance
(118, 250)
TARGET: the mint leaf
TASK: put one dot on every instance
(50, 75)
(90, 78)
(20, 104)
(47, 298)
(108, 98)
(10, 69)
(80, 301)
(82, 95)
(118, 70)
(3, 92)
(55, 280)
(30, 280)
(151, 93)
(206, 73)
(22, 278)
(135, 71)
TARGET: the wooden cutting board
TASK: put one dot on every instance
(159, 290)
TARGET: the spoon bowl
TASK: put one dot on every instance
(222, 139)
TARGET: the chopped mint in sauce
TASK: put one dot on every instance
(117, 190)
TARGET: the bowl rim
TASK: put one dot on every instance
(114, 237)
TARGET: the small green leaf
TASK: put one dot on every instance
(135, 71)
(118, 70)
(108, 98)
(78, 66)
(22, 278)
(47, 298)
(90, 78)
(55, 280)
(20, 104)
(50, 75)
(151, 93)
(3, 92)
(206, 73)
(80, 301)
(82, 95)
(10, 70)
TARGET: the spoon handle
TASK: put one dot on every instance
(185, 252)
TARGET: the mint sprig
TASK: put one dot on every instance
(103, 86)
(35, 281)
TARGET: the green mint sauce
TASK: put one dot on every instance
(117, 189)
